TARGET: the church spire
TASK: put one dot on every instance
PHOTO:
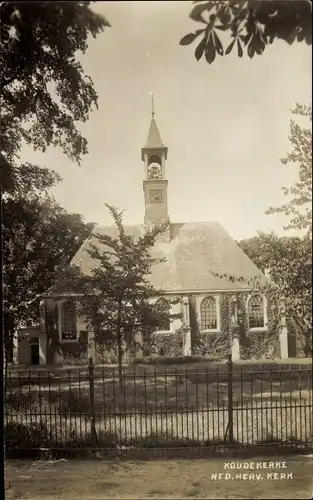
(154, 155)
(154, 141)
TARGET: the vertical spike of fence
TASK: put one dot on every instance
(230, 400)
(91, 371)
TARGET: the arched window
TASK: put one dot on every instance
(208, 314)
(256, 312)
(154, 172)
(154, 167)
(154, 159)
(164, 323)
(68, 320)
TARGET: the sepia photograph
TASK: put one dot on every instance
(156, 229)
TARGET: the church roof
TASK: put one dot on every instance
(193, 252)
(154, 140)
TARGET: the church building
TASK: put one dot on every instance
(195, 253)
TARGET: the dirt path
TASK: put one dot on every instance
(102, 479)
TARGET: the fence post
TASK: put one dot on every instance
(230, 399)
(91, 371)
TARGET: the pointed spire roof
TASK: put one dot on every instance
(154, 140)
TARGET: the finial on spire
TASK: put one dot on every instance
(152, 103)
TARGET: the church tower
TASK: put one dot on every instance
(154, 155)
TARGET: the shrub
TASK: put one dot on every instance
(74, 402)
(259, 345)
(68, 358)
(25, 440)
(173, 360)
(21, 401)
(214, 345)
(35, 435)
(165, 344)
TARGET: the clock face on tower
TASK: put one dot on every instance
(156, 196)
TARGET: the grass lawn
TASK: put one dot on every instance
(100, 480)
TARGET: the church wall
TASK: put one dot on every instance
(63, 352)
(30, 346)
(168, 343)
(176, 324)
(258, 344)
(212, 342)
(23, 352)
(172, 342)
(76, 352)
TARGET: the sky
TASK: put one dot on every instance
(225, 125)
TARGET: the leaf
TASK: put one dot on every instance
(39, 37)
(221, 27)
(240, 51)
(196, 13)
(230, 47)
(218, 45)
(251, 50)
(245, 39)
(200, 48)
(210, 51)
(291, 36)
(188, 39)
(308, 38)
(224, 15)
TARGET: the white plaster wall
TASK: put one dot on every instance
(176, 323)
(23, 352)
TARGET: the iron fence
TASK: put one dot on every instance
(155, 407)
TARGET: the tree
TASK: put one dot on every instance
(40, 238)
(116, 299)
(44, 90)
(289, 259)
(299, 208)
(251, 24)
(289, 263)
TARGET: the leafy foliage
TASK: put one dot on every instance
(252, 345)
(259, 345)
(289, 263)
(117, 299)
(251, 24)
(299, 208)
(44, 94)
(165, 344)
(216, 346)
(289, 260)
(172, 359)
(44, 90)
(40, 238)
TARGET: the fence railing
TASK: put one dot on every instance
(154, 407)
